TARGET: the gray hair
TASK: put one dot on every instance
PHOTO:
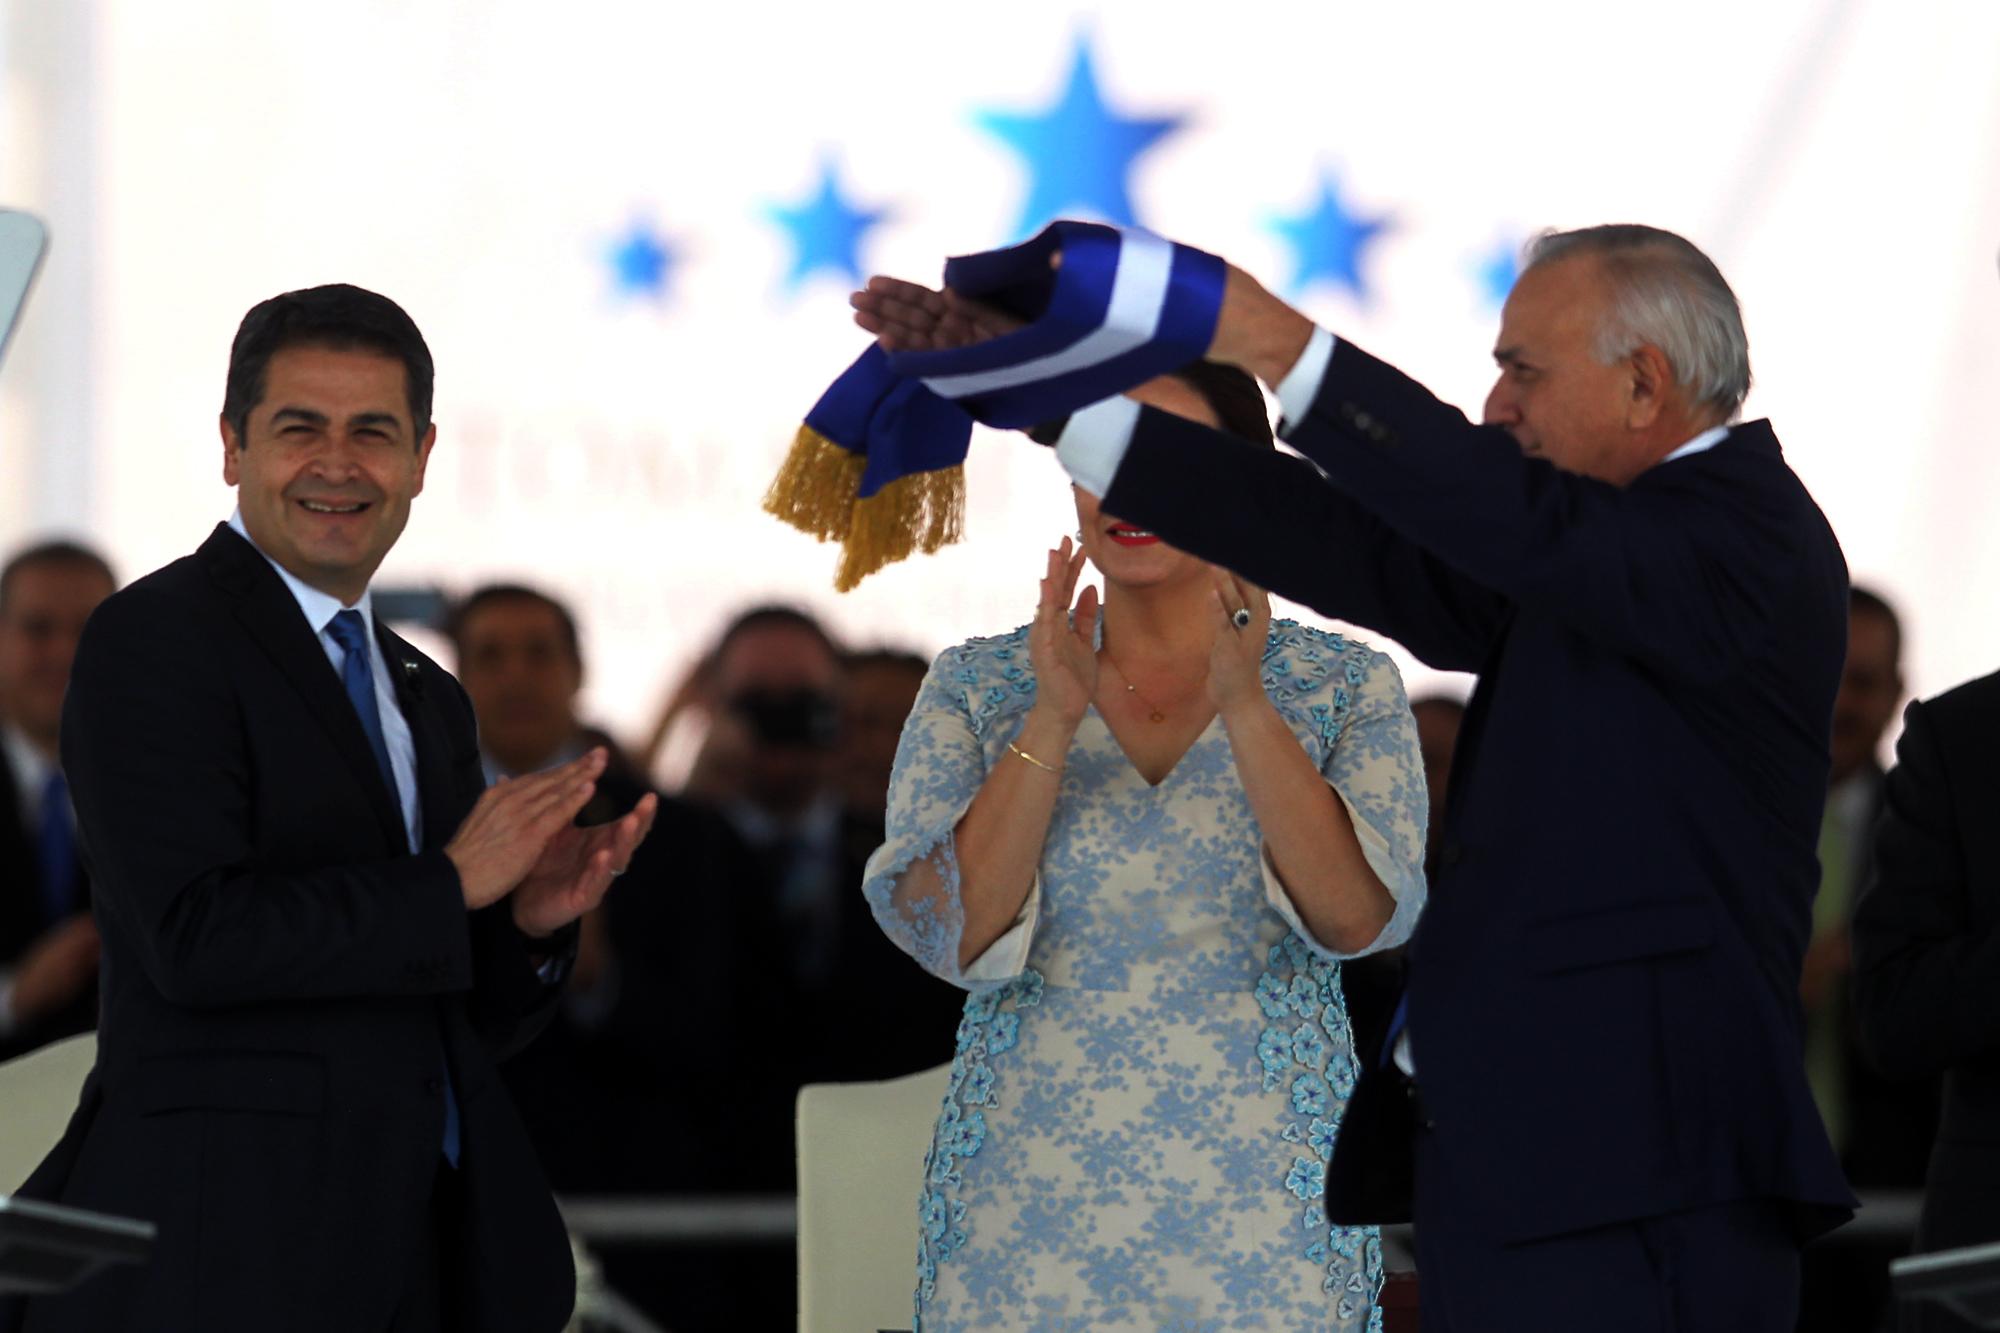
(1666, 293)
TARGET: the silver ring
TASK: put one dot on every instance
(616, 873)
(1240, 617)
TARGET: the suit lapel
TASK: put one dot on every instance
(269, 612)
(435, 795)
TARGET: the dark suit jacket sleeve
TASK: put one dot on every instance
(511, 999)
(1926, 987)
(1682, 569)
(1274, 519)
(158, 763)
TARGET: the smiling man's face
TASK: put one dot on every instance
(328, 463)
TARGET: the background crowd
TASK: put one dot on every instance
(743, 908)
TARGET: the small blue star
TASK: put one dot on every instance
(1079, 152)
(1327, 241)
(1497, 271)
(640, 262)
(825, 230)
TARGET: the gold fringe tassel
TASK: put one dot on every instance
(814, 489)
(920, 512)
(814, 492)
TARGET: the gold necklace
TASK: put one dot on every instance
(1154, 711)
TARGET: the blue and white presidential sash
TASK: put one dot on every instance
(878, 464)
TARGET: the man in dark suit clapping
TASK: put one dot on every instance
(1615, 1129)
(321, 928)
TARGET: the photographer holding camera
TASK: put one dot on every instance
(772, 765)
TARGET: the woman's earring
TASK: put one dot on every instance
(1079, 534)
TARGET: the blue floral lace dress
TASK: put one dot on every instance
(1153, 1061)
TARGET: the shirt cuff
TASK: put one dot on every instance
(1381, 859)
(1301, 383)
(1007, 957)
(1094, 442)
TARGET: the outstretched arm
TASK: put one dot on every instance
(1266, 515)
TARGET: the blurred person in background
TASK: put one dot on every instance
(864, 1011)
(48, 940)
(1882, 1127)
(881, 688)
(680, 934)
(648, 1081)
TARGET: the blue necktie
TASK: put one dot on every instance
(55, 850)
(357, 673)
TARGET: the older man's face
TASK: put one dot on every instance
(1554, 396)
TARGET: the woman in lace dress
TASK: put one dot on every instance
(1144, 851)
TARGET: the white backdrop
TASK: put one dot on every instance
(489, 164)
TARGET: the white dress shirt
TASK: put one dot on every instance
(319, 609)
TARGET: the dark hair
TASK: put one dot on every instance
(336, 316)
(1862, 600)
(491, 593)
(774, 614)
(51, 553)
(1230, 393)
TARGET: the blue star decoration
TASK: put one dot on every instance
(1497, 271)
(1079, 152)
(826, 230)
(640, 262)
(1328, 241)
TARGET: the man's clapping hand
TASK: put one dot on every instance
(513, 824)
(576, 868)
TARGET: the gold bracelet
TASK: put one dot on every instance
(1031, 759)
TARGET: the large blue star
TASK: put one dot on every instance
(1497, 270)
(640, 262)
(1078, 152)
(1327, 242)
(825, 230)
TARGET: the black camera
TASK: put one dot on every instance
(800, 719)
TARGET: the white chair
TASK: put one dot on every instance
(38, 1091)
(861, 1160)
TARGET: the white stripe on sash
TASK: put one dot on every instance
(1138, 297)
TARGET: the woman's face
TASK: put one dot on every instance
(1124, 553)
